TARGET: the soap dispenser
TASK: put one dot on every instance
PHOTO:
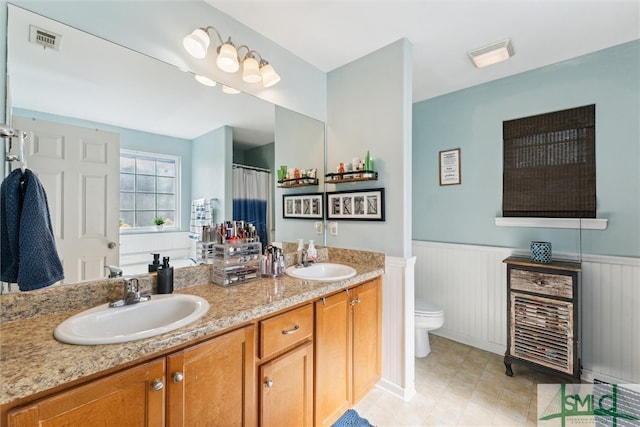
(153, 267)
(165, 277)
(312, 253)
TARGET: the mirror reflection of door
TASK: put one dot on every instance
(78, 168)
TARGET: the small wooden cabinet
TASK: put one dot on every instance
(542, 317)
(133, 397)
(348, 360)
(285, 387)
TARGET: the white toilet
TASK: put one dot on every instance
(428, 317)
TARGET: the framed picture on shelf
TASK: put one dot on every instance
(356, 205)
(303, 206)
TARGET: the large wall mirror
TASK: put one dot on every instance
(88, 84)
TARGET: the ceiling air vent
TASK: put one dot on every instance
(44, 38)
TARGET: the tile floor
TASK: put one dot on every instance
(459, 385)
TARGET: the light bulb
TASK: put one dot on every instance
(250, 70)
(197, 43)
(228, 58)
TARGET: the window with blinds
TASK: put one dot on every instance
(550, 165)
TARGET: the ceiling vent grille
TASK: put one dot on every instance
(44, 38)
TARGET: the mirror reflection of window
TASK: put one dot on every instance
(148, 190)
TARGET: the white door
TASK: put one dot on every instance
(79, 169)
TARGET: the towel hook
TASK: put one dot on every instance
(22, 137)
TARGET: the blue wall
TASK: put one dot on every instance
(471, 119)
(211, 175)
(131, 139)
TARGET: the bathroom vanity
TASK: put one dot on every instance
(251, 360)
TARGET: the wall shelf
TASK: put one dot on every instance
(297, 182)
(583, 223)
(340, 177)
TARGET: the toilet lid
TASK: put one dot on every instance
(426, 307)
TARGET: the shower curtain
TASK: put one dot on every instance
(252, 199)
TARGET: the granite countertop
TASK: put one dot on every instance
(32, 361)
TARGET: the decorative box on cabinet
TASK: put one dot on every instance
(543, 317)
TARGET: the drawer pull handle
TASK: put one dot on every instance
(268, 384)
(291, 331)
(157, 385)
(177, 377)
(356, 301)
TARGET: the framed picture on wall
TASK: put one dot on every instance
(303, 206)
(449, 161)
(356, 205)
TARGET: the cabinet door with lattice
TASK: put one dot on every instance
(542, 331)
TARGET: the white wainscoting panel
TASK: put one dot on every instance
(610, 307)
(469, 283)
(136, 250)
(398, 362)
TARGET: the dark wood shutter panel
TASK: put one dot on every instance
(549, 165)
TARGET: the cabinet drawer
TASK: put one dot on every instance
(543, 283)
(286, 329)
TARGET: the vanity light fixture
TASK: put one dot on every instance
(228, 60)
(491, 54)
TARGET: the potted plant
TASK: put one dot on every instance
(159, 222)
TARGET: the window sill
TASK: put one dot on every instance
(577, 223)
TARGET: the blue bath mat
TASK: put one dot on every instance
(351, 419)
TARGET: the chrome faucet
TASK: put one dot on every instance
(113, 271)
(131, 294)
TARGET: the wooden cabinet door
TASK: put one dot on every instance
(127, 398)
(213, 383)
(332, 358)
(367, 337)
(286, 389)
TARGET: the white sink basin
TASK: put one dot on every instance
(105, 325)
(323, 272)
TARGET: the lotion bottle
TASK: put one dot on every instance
(312, 253)
(165, 277)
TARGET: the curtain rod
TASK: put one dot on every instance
(236, 165)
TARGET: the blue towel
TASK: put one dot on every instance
(27, 244)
